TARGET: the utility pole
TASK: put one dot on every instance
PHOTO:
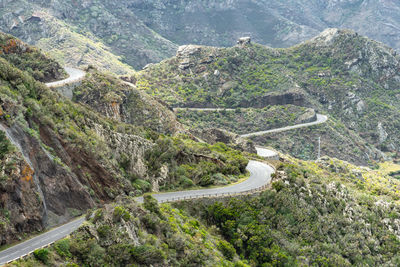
(319, 147)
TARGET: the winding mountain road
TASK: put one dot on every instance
(74, 76)
(39, 241)
(320, 119)
(260, 176)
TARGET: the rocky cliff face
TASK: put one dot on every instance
(122, 102)
(21, 208)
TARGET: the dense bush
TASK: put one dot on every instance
(158, 235)
(191, 163)
(314, 219)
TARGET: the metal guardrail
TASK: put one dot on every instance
(173, 199)
(26, 255)
(228, 194)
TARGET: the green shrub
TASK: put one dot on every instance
(147, 254)
(62, 248)
(121, 212)
(103, 230)
(227, 249)
(42, 255)
(278, 185)
(151, 204)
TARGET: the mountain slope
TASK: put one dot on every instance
(327, 212)
(324, 213)
(140, 32)
(341, 73)
(273, 23)
(85, 33)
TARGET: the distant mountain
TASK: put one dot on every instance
(138, 32)
(279, 23)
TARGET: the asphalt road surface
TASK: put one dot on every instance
(74, 75)
(260, 175)
(320, 119)
(37, 242)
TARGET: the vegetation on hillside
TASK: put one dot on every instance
(30, 59)
(349, 77)
(126, 233)
(121, 101)
(324, 214)
(83, 153)
(187, 163)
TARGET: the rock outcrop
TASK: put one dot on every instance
(214, 135)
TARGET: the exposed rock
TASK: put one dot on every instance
(381, 133)
(124, 144)
(62, 190)
(163, 175)
(293, 97)
(309, 116)
(185, 53)
(214, 135)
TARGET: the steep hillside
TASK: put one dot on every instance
(121, 101)
(85, 32)
(28, 58)
(242, 121)
(341, 73)
(328, 213)
(59, 158)
(126, 233)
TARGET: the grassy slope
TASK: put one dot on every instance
(30, 59)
